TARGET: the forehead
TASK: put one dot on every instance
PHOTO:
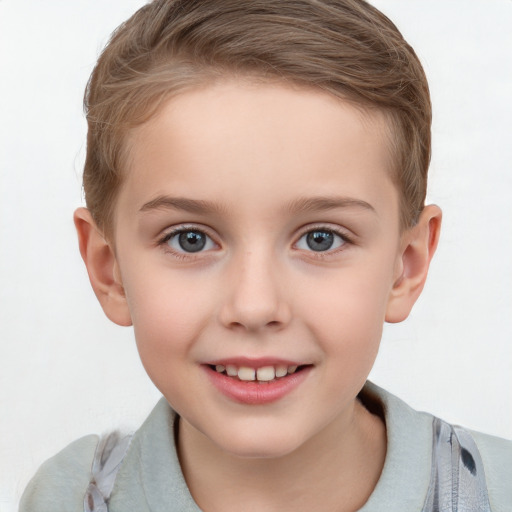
(235, 140)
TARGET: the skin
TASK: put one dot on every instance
(272, 163)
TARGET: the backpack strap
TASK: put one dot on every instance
(108, 457)
(457, 482)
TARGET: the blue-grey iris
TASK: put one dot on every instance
(320, 240)
(192, 241)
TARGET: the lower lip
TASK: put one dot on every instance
(254, 392)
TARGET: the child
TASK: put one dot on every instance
(255, 182)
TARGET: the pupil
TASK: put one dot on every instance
(192, 241)
(320, 240)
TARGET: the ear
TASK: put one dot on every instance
(419, 244)
(102, 267)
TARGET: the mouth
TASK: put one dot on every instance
(256, 382)
(262, 375)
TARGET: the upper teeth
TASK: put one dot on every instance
(264, 374)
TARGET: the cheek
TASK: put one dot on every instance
(167, 319)
(348, 310)
(347, 325)
(167, 311)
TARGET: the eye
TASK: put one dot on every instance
(189, 240)
(320, 240)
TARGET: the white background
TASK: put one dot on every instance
(65, 371)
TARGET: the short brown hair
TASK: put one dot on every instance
(345, 47)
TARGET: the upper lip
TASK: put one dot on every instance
(258, 362)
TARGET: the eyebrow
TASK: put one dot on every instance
(181, 203)
(317, 204)
(300, 205)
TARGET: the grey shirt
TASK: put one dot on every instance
(150, 477)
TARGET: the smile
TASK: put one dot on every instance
(262, 374)
(254, 382)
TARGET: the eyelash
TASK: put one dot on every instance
(164, 241)
(345, 239)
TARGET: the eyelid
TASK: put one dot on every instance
(172, 231)
(344, 234)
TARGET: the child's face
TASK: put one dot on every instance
(258, 226)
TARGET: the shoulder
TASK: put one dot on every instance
(496, 456)
(408, 477)
(61, 482)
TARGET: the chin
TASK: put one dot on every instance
(259, 445)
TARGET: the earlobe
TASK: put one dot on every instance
(419, 245)
(102, 267)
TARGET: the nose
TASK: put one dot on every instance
(255, 295)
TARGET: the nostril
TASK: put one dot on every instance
(254, 314)
(237, 326)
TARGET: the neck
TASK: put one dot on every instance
(335, 470)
